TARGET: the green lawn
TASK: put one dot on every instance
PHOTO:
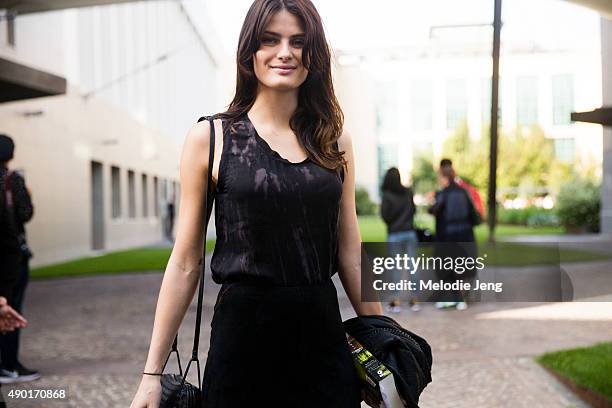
(590, 367)
(372, 230)
(139, 259)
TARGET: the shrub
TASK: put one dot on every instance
(546, 218)
(531, 216)
(364, 205)
(578, 205)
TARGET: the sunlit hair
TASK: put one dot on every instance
(318, 119)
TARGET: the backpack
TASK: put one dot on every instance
(460, 208)
(474, 195)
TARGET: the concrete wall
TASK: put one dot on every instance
(139, 75)
(146, 58)
(55, 149)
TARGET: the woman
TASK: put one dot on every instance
(455, 218)
(397, 210)
(285, 216)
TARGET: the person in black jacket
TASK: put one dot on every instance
(407, 355)
(455, 218)
(397, 210)
(15, 210)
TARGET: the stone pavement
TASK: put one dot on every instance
(91, 335)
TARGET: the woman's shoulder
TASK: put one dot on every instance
(199, 134)
(201, 130)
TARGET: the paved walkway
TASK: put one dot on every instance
(90, 335)
(598, 243)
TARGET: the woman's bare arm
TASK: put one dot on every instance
(349, 254)
(183, 270)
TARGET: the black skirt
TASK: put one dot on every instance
(279, 347)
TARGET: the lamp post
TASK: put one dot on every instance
(492, 202)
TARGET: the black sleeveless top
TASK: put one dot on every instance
(276, 221)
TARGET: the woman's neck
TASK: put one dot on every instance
(274, 107)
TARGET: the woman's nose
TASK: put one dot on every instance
(284, 51)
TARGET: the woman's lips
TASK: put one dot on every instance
(283, 69)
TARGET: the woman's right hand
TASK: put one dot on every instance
(9, 318)
(148, 394)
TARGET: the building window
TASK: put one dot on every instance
(456, 102)
(145, 196)
(565, 149)
(485, 101)
(164, 192)
(421, 102)
(386, 107)
(116, 191)
(131, 194)
(174, 195)
(527, 100)
(10, 27)
(155, 196)
(563, 98)
(387, 158)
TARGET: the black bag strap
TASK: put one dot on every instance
(208, 200)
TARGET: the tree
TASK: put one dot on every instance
(470, 157)
(526, 162)
(424, 177)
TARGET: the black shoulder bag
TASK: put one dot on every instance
(176, 391)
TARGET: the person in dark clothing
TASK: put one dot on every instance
(15, 210)
(397, 210)
(283, 174)
(169, 221)
(472, 191)
(455, 218)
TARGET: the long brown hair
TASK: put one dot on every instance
(318, 119)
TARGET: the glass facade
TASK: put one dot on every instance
(386, 107)
(131, 194)
(116, 192)
(387, 157)
(562, 98)
(456, 102)
(527, 100)
(421, 104)
(485, 101)
(565, 149)
(145, 195)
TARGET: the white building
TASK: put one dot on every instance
(102, 159)
(421, 93)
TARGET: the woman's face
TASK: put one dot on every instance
(278, 62)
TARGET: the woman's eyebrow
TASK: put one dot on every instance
(272, 33)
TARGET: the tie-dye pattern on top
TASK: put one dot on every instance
(277, 221)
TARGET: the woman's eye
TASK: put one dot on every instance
(268, 40)
(298, 43)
